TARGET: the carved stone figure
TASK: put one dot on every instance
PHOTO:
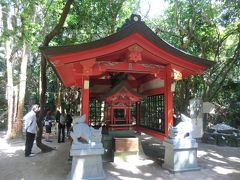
(181, 148)
(83, 134)
(182, 130)
(86, 151)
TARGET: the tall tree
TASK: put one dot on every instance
(46, 42)
(21, 95)
(9, 89)
(27, 19)
(9, 56)
(20, 16)
(208, 29)
(200, 28)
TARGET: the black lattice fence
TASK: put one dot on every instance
(152, 113)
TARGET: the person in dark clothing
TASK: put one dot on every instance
(48, 125)
(60, 119)
(58, 114)
(69, 121)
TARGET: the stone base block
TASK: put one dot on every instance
(180, 157)
(87, 165)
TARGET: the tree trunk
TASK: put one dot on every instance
(47, 39)
(43, 147)
(9, 89)
(59, 95)
(17, 130)
(15, 104)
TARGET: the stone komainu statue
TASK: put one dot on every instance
(182, 130)
(82, 133)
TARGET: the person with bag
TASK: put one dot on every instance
(30, 122)
(48, 126)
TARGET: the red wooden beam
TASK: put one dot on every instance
(105, 66)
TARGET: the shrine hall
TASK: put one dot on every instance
(126, 79)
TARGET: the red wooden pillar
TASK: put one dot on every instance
(168, 99)
(87, 66)
(85, 97)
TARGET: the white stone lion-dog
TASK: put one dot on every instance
(182, 130)
(83, 134)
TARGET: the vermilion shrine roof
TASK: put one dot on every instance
(135, 49)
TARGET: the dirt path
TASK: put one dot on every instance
(220, 163)
(15, 166)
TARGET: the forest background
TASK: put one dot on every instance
(205, 28)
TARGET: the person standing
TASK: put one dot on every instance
(57, 117)
(30, 122)
(58, 114)
(69, 121)
(61, 127)
(48, 125)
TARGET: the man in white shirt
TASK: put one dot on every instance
(30, 121)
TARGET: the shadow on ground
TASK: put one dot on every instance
(215, 162)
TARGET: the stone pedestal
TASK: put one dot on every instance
(180, 154)
(87, 162)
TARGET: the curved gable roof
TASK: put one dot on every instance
(138, 27)
(155, 51)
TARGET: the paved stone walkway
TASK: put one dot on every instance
(220, 163)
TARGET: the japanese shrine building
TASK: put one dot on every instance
(126, 79)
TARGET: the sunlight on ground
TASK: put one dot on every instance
(216, 154)
(133, 166)
(147, 174)
(8, 149)
(128, 167)
(215, 160)
(128, 178)
(234, 159)
(225, 171)
(201, 153)
(114, 173)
